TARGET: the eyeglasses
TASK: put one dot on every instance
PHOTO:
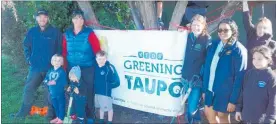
(223, 30)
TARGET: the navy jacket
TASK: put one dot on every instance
(81, 86)
(229, 72)
(60, 77)
(106, 78)
(40, 46)
(195, 55)
(253, 40)
(257, 101)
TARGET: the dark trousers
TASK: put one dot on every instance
(78, 106)
(87, 75)
(34, 80)
(59, 106)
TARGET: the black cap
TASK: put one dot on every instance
(77, 12)
(42, 12)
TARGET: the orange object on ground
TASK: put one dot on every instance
(40, 111)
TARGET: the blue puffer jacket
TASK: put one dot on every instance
(106, 78)
(229, 72)
(40, 46)
(79, 50)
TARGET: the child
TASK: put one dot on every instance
(258, 35)
(56, 81)
(79, 88)
(106, 78)
(257, 102)
(195, 54)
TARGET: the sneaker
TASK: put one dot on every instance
(59, 121)
(54, 120)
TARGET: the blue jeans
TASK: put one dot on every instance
(59, 106)
(193, 113)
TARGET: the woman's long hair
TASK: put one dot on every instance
(202, 20)
(234, 29)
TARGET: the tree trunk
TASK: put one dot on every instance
(178, 13)
(89, 15)
(136, 15)
(148, 14)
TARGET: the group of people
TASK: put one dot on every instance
(234, 78)
(68, 62)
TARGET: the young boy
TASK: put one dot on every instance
(106, 78)
(79, 99)
(56, 82)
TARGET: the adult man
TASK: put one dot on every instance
(40, 44)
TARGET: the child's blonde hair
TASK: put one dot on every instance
(57, 56)
(267, 23)
(202, 20)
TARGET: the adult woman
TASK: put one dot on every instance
(195, 54)
(223, 73)
(79, 47)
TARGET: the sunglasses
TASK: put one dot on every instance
(223, 30)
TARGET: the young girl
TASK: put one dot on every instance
(258, 35)
(223, 73)
(195, 53)
(257, 102)
(56, 80)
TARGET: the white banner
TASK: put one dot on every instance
(149, 65)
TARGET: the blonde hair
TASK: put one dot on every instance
(267, 23)
(57, 56)
(202, 20)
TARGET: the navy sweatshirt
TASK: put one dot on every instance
(81, 86)
(106, 78)
(195, 55)
(253, 40)
(257, 101)
(40, 46)
(60, 77)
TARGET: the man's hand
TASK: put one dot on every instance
(160, 23)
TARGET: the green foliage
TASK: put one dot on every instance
(115, 14)
(18, 17)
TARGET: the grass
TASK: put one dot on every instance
(13, 79)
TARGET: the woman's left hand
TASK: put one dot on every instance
(231, 107)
